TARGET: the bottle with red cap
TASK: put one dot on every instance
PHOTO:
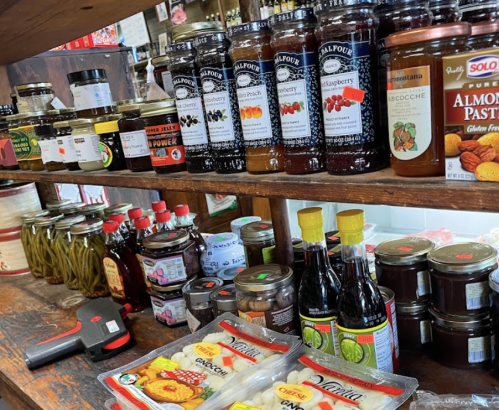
(120, 218)
(122, 269)
(158, 206)
(164, 221)
(144, 229)
(186, 223)
(133, 214)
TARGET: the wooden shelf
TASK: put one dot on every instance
(382, 187)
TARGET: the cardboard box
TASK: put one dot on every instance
(105, 37)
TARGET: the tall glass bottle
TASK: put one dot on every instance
(164, 221)
(120, 219)
(363, 329)
(319, 288)
(186, 223)
(133, 214)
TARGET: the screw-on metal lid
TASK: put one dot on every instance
(55, 205)
(87, 121)
(494, 280)
(131, 100)
(414, 36)
(263, 277)
(158, 108)
(403, 251)
(121, 208)
(33, 85)
(462, 258)
(31, 216)
(230, 273)
(72, 207)
(225, 298)
(260, 230)
(238, 223)
(459, 322)
(90, 225)
(69, 221)
(91, 208)
(172, 288)
(199, 291)
(387, 294)
(47, 220)
(67, 110)
(165, 239)
(411, 308)
(60, 124)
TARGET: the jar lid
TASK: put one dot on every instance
(85, 121)
(31, 216)
(69, 221)
(257, 230)
(158, 108)
(225, 298)
(61, 124)
(411, 308)
(34, 113)
(239, 222)
(46, 129)
(494, 280)
(249, 27)
(387, 294)
(165, 239)
(131, 100)
(91, 208)
(87, 75)
(213, 38)
(150, 214)
(230, 273)
(263, 277)
(428, 33)
(73, 206)
(331, 5)
(32, 85)
(53, 112)
(11, 117)
(55, 205)
(295, 15)
(159, 60)
(67, 110)
(459, 322)
(47, 220)
(120, 208)
(179, 47)
(470, 3)
(462, 258)
(190, 30)
(169, 288)
(222, 241)
(114, 117)
(485, 27)
(106, 127)
(199, 290)
(404, 250)
(89, 225)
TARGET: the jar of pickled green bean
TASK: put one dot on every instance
(94, 211)
(44, 248)
(71, 209)
(28, 241)
(85, 252)
(54, 206)
(62, 244)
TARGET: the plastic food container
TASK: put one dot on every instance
(237, 224)
(222, 251)
(44, 248)
(259, 244)
(224, 300)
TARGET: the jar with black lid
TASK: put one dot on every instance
(66, 145)
(110, 146)
(475, 11)
(220, 103)
(51, 157)
(34, 97)
(484, 35)
(259, 243)
(91, 93)
(445, 11)
(165, 141)
(162, 74)
(224, 300)
(198, 303)
(413, 324)
(188, 93)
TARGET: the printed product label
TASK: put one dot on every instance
(479, 349)
(207, 350)
(269, 255)
(67, 149)
(7, 153)
(25, 143)
(477, 295)
(106, 154)
(383, 55)
(293, 392)
(135, 144)
(91, 96)
(282, 321)
(258, 103)
(241, 406)
(423, 284)
(164, 271)
(87, 147)
(165, 145)
(34, 103)
(425, 330)
(321, 334)
(50, 151)
(168, 83)
(299, 98)
(192, 321)
(171, 312)
(345, 69)
(409, 111)
(394, 334)
(114, 279)
(367, 347)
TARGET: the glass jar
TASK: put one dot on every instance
(459, 276)
(220, 103)
(168, 305)
(257, 96)
(86, 142)
(51, 157)
(34, 97)
(68, 113)
(134, 138)
(402, 266)
(494, 314)
(110, 146)
(295, 56)
(7, 154)
(28, 241)
(121, 208)
(163, 134)
(228, 275)
(188, 92)
(162, 74)
(169, 257)
(223, 300)
(413, 325)
(25, 142)
(85, 253)
(461, 342)
(54, 206)
(347, 57)
(72, 209)
(484, 35)
(199, 309)
(94, 211)
(475, 11)
(415, 96)
(259, 243)
(44, 248)
(91, 93)
(266, 296)
(223, 251)
(445, 11)
(237, 224)
(66, 145)
(62, 246)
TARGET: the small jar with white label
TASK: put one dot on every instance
(51, 157)
(224, 300)
(413, 325)
(86, 143)
(223, 250)
(66, 145)
(34, 97)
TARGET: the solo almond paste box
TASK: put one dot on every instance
(471, 95)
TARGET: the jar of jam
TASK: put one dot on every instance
(445, 11)
(168, 304)
(459, 276)
(34, 97)
(162, 128)
(94, 211)
(484, 35)
(415, 96)
(475, 11)
(224, 300)
(220, 103)
(295, 57)
(402, 265)
(257, 96)
(133, 138)
(86, 142)
(259, 243)
(347, 60)
(24, 141)
(7, 154)
(51, 157)
(494, 311)
(110, 146)
(66, 145)
(462, 342)
(188, 92)
(162, 74)
(91, 93)
(413, 324)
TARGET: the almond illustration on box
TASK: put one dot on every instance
(404, 136)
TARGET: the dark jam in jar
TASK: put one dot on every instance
(445, 11)
(484, 35)
(162, 74)
(220, 103)
(413, 324)
(110, 147)
(475, 11)
(347, 61)
(188, 94)
(295, 57)
(494, 313)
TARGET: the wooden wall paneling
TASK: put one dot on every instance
(261, 208)
(5, 88)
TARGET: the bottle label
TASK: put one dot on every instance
(479, 349)
(368, 347)
(171, 312)
(299, 102)
(320, 334)
(50, 151)
(87, 147)
(166, 76)
(67, 149)
(477, 295)
(258, 103)
(346, 93)
(383, 55)
(114, 279)
(282, 321)
(423, 284)
(269, 255)
(190, 112)
(135, 144)
(164, 271)
(220, 102)
(165, 145)
(91, 96)
(409, 111)
(7, 152)
(25, 143)
(106, 154)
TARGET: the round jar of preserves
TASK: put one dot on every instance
(484, 35)
(166, 145)
(254, 72)
(188, 92)
(93, 211)
(445, 11)
(259, 243)
(494, 311)
(402, 265)
(28, 241)
(7, 155)
(34, 97)
(91, 93)
(413, 324)
(266, 296)
(44, 248)
(220, 103)
(460, 272)
(347, 61)
(25, 142)
(168, 305)
(86, 142)
(55, 206)
(415, 96)
(162, 74)
(224, 300)
(475, 11)
(51, 157)
(66, 145)
(110, 146)
(462, 342)
(298, 89)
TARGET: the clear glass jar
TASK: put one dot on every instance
(224, 300)
(44, 248)
(66, 145)
(86, 143)
(476, 11)
(445, 11)
(259, 243)
(25, 142)
(51, 157)
(162, 74)
(34, 97)
(7, 154)
(94, 211)
(28, 241)
(484, 35)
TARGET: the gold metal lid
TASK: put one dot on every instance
(121, 208)
(91, 208)
(47, 220)
(428, 33)
(130, 107)
(462, 258)
(404, 250)
(86, 121)
(459, 322)
(55, 205)
(165, 239)
(69, 221)
(159, 59)
(61, 124)
(158, 108)
(412, 308)
(130, 101)
(31, 216)
(263, 277)
(32, 85)
(257, 230)
(88, 226)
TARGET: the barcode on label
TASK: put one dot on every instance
(175, 268)
(479, 349)
(477, 303)
(477, 295)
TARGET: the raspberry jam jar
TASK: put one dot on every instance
(413, 325)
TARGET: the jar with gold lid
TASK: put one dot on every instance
(86, 142)
(34, 97)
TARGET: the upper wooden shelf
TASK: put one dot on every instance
(382, 187)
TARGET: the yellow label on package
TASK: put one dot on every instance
(207, 350)
(241, 406)
(164, 364)
(294, 392)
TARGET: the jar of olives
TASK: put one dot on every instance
(44, 249)
(28, 241)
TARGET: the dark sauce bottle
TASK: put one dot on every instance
(185, 223)
(133, 214)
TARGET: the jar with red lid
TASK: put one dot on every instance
(347, 61)
(484, 35)
(475, 11)
(445, 11)
(162, 74)
(295, 57)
